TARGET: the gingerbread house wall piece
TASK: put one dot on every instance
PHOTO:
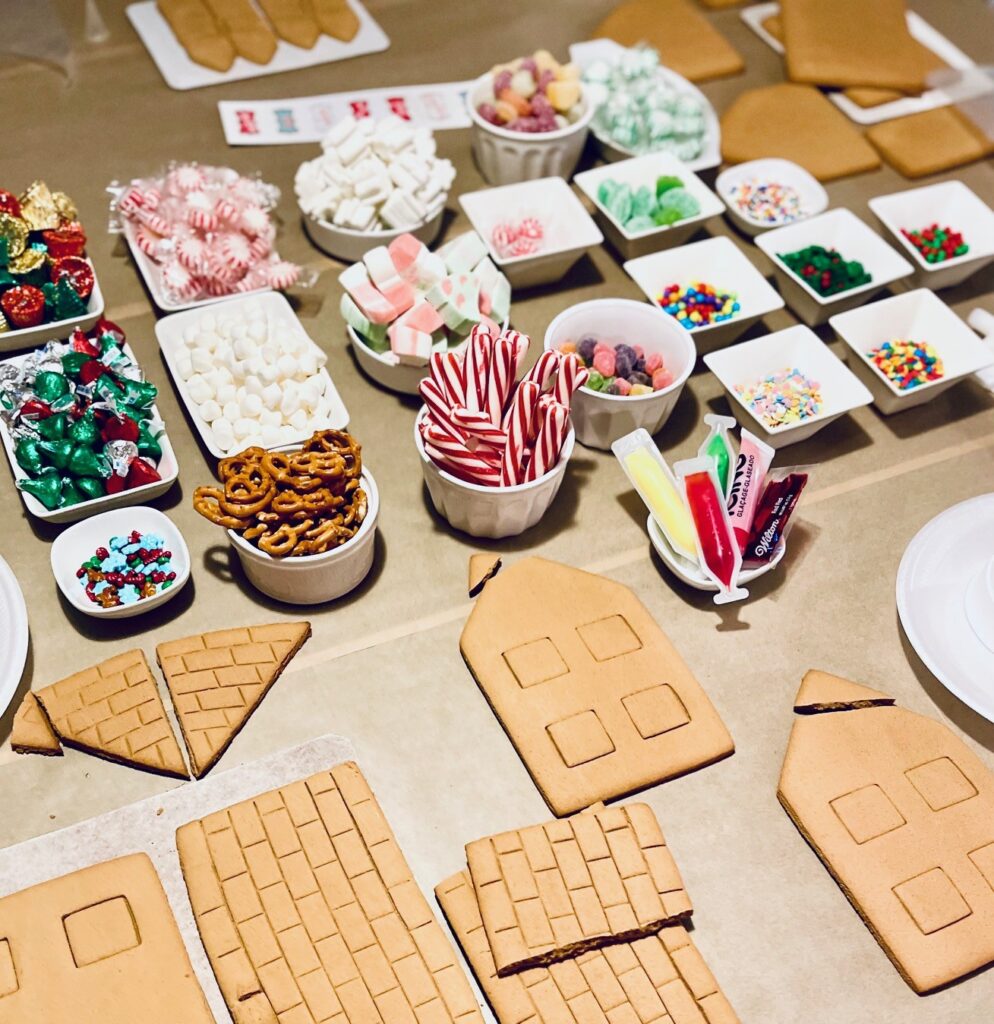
(594, 697)
(901, 812)
(99, 944)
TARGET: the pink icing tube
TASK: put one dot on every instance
(751, 467)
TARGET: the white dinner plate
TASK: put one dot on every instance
(13, 635)
(938, 566)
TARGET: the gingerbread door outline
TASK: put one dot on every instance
(592, 693)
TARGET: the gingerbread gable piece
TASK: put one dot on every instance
(594, 697)
(901, 812)
(101, 945)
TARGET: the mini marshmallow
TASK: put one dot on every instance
(224, 436)
(209, 411)
(226, 393)
(199, 389)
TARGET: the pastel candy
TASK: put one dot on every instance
(410, 346)
(463, 252)
(500, 299)
(563, 94)
(404, 251)
(355, 318)
(379, 265)
(398, 293)
(422, 316)
(373, 303)
(352, 276)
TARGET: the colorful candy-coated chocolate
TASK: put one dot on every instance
(767, 202)
(698, 305)
(936, 244)
(907, 364)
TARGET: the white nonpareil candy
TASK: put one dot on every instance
(374, 175)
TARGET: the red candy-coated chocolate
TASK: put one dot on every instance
(23, 305)
(62, 242)
(79, 272)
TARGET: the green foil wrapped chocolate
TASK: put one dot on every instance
(51, 428)
(72, 362)
(28, 455)
(71, 494)
(57, 453)
(47, 489)
(85, 430)
(49, 385)
(85, 462)
(92, 487)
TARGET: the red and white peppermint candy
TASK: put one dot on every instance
(155, 222)
(518, 425)
(463, 464)
(201, 220)
(185, 178)
(479, 425)
(260, 247)
(227, 211)
(281, 274)
(216, 286)
(246, 192)
(549, 440)
(254, 221)
(152, 198)
(476, 366)
(531, 227)
(439, 409)
(522, 246)
(235, 251)
(544, 368)
(179, 282)
(147, 241)
(131, 201)
(192, 254)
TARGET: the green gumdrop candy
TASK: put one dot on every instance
(49, 386)
(28, 456)
(85, 430)
(72, 362)
(47, 489)
(680, 200)
(718, 451)
(596, 381)
(52, 428)
(91, 487)
(667, 181)
(637, 224)
(643, 202)
(663, 217)
(71, 494)
(57, 452)
(84, 462)
(620, 206)
(148, 443)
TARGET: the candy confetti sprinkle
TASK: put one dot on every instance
(777, 399)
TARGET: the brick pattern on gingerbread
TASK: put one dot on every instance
(100, 944)
(310, 914)
(901, 812)
(659, 979)
(595, 698)
(218, 679)
(549, 891)
(114, 710)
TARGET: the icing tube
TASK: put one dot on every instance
(652, 478)
(718, 552)
(718, 446)
(774, 514)
(751, 468)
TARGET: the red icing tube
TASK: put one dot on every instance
(773, 515)
(718, 550)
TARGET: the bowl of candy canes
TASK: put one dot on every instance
(200, 233)
(643, 107)
(530, 119)
(121, 563)
(47, 283)
(536, 230)
(493, 452)
(402, 302)
(764, 194)
(80, 427)
(374, 180)
(636, 360)
(297, 542)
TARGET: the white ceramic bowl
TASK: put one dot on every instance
(569, 231)
(600, 419)
(796, 347)
(813, 197)
(350, 245)
(979, 604)
(57, 330)
(838, 229)
(690, 572)
(911, 316)
(505, 157)
(314, 579)
(948, 204)
(644, 170)
(77, 544)
(491, 511)
(716, 261)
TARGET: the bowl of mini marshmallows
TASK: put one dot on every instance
(374, 181)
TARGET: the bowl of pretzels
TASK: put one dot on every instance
(301, 518)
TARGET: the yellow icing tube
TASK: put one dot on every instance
(653, 479)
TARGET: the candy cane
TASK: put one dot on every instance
(438, 407)
(544, 368)
(462, 465)
(446, 370)
(520, 416)
(480, 426)
(520, 342)
(500, 380)
(475, 369)
(572, 374)
(549, 442)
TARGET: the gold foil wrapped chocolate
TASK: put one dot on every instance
(14, 231)
(30, 259)
(4, 326)
(65, 207)
(38, 207)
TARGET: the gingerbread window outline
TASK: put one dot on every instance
(93, 906)
(618, 654)
(8, 954)
(877, 835)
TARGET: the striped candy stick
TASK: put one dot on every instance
(462, 463)
(521, 413)
(549, 441)
(446, 370)
(439, 409)
(475, 367)
(457, 448)
(479, 425)
(571, 375)
(500, 379)
(545, 366)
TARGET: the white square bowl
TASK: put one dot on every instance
(812, 196)
(911, 316)
(56, 330)
(77, 544)
(948, 204)
(842, 230)
(715, 261)
(569, 230)
(644, 170)
(796, 347)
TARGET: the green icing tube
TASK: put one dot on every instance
(718, 447)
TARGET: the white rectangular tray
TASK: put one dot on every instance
(149, 827)
(169, 331)
(168, 469)
(56, 330)
(149, 271)
(182, 73)
(974, 82)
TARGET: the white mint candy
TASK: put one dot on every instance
(287, 434)
(287, 365)
(243, 348)
(268, 374)
(290, 402)
(271, 417)
(253, 385)
(209, 411)
(270, 435)
(201, 360)
(299, 420)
